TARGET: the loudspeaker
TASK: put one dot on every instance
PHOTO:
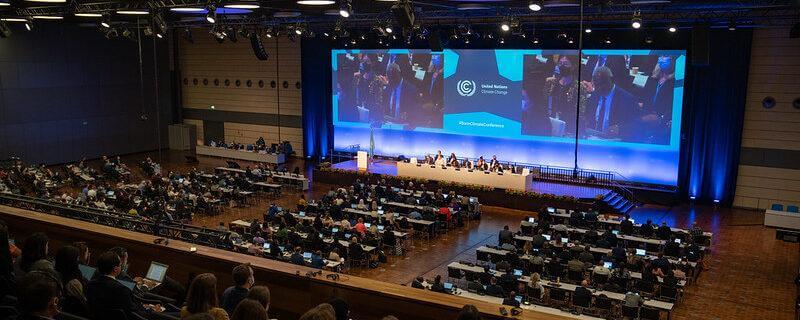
(404, 14)
(701, 45)
(435, 41)
(258, 47)
(768, 102)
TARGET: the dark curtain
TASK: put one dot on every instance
(316, 75)
(714, 113)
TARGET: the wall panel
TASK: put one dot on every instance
(771, 137)
(205, 67)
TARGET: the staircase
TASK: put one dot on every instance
(618, 203)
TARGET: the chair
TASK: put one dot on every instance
(474, 287)
(777, 207)
(793, 209)
(669, 293)
(453, 273)
(600, 278)
(581, 304)
(647, 313)
(484, 256)
(558, 297)
(534, 294)
(630, 312)
(603, 306)
(646, 288)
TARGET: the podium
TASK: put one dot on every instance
(362, 160)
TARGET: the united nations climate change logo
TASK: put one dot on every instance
(466, 88)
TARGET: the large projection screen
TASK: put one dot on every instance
(621, 107)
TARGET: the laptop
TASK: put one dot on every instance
(368, 225)
(380, 212)
(127, 284)
(546, 237)
(156, 274)
(518, 298)
(347, 236)
(381, 207)
(641, 252)
(302, 213)
(352, 206)
(564, 240)
(607, 264)
(448, 286)
(551, 209)
(87, 271)
(335, 230)
(615, 232)
(531, 220)
(266, 246)
(380, 228)
(678, 241)
(517, 272)
(307, 255)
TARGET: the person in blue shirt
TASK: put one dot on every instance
(317, 261)
(273, 210)
(297, 257)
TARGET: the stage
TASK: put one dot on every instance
(389, 167)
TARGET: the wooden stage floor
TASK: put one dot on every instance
(751, 274)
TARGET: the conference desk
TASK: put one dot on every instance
(344, 243)
(276, 158)
(505, 180)
(634, 275)
(292, 179)
(661, 305)
(782, 219)
(565, 215)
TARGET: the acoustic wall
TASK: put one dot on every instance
(769, 169)
(67, 92)
(226, 82)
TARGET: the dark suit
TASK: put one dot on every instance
(615, 63)
(105, 294)
(623, 106)
(582, 297)
(505, 236)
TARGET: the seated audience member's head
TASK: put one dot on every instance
(249, 309)
(323, 311)
(66, 265)
(469, 312)
(122, 253)
(84, 254)
(389, 317)
(109, 264)
(341, 308)
(38, 293)
(243, 276)
(260, 294)
(202, 295)
(34, 249)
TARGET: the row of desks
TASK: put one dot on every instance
(290, 178)
(565, 214)
(662, 305)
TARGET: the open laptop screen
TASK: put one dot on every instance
(157, 272)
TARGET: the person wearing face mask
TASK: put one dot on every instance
(562, 95)
(656, 115)
(243, 280)
(609, 109)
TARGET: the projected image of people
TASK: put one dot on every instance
(629, 99)
(390, 90)
(550, 95)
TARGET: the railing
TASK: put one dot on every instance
(207, 237)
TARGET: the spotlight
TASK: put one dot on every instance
(111, 33)
(608, 40)
(535, 5)
(672, 28)
(298, 31)
(588, 30)
(29, 24)
(692, 198)
(160, 36)
(345, 9)
(388, 29)
(716, 200)
(732, 25)
(268, 34)
(535, 40)
(106, 22)
(648, 39)
(504, 26)
(570, 41)
(562, 35)
(502, 41)
(636, 22)
(211, 16)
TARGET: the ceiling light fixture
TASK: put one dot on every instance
(106, 22)
(139, 12)
(211, 16)
(672, 28)
(88, 15)
(345, 8)
(243, 6)
(535, 5)
(315, 2)
(186, 9)
(636, 21)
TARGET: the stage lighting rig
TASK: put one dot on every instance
(28, 24)
(672, 28)
(106, 21)
(404, 14)
(535, 5)
(345, 8)
(636, 21)
(211, 16)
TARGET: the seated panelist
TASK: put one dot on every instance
(494, 165)
(452, 160)
(481, 164)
